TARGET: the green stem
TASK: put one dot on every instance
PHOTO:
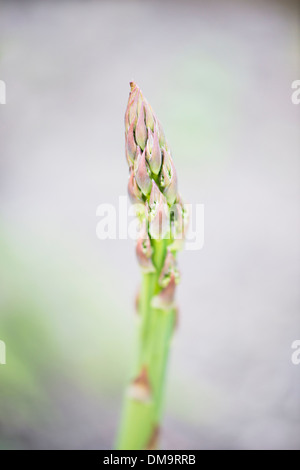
(141, 418)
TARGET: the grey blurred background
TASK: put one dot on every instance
(218, 75)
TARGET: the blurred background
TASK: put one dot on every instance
(218, 74)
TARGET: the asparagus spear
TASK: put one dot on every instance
(152, 185)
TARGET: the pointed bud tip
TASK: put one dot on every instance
(154, 438)
(140, 388)
(165, 299)
(142, 174)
